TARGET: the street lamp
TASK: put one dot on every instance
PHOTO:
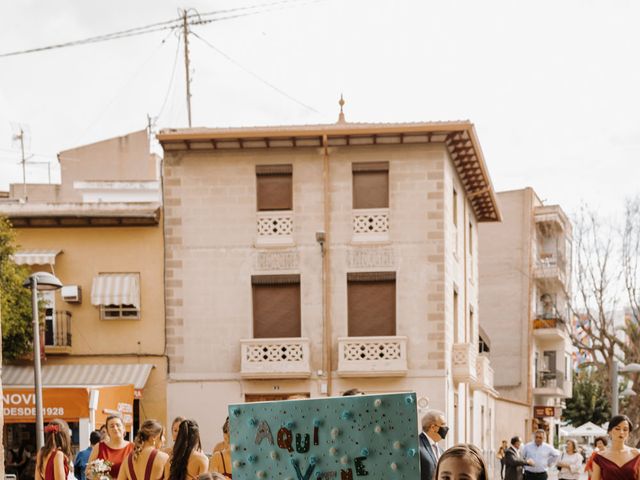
(615, 369)
(39, 282)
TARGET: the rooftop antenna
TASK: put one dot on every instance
(21, 135)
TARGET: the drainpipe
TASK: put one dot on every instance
(327, 342)
(468, 411)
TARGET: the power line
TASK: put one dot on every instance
(173, 74)
(254, 75)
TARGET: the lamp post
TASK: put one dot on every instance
(39, 281)
(615, 369)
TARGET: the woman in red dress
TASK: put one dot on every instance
(52, 461)
(146, 462)
(115, 449)
(618, 461)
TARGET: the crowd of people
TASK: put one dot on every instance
(146, 458)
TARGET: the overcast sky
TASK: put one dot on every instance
(551, 86)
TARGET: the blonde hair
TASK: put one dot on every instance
(468, 453)
(149, 429)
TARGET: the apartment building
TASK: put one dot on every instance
(314, 259)
(525, 273)
(99, 231)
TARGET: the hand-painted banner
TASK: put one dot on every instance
(374, 436)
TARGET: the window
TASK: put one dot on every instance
(371, 185)
(274, 187)
(117, 295)
(455, 207)
(371, 299)
(456, 326)
(276, 306)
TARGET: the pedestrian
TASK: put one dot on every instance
(174, 433)
(618, 461)
(352, 392)
(543, 456)
(82, 457)
(513, 461)
(114, 450)
(104, 436)
(600, 445)
(221, 459)
(52, 462)
(500, 456)
(187, 460)
(464, 461)
(434, 429)
(570, 462)
(146, 461)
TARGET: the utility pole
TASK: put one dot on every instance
(23, 161)
(185, 32)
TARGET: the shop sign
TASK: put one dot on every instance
(70, 404)
(543, 411)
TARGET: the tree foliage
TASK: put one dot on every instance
(15, 300)
(589, 402)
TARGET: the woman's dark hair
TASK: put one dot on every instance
(604, 441)
(211, 476)
(177, 420)
(150, 428)
(617, 420)
(187, 441)
(225, 426)
(56, 437)
(470, 454)
(111, 417)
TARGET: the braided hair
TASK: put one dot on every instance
(187, 441)
(149, 429)
(56, 437)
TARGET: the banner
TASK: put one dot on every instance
(70, 404)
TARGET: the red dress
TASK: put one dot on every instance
(115, 455)
(48, 469)
(611, 471)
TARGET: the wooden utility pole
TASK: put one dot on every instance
(185, 32)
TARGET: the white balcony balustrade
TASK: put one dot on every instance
(463, 362)
(275, 228)
(371, 225)
(372, 356)
(275, 358)
(484, 373)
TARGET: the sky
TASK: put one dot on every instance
(551, 86)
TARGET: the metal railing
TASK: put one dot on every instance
(553, 379)
(58, 330)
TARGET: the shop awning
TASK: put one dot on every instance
(36, 257)
(116, 289)
(79, 375)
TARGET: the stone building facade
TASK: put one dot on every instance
(311, 260)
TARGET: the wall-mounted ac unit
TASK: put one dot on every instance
(71, 293)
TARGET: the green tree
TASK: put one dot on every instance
(15, 300)
(589, 402)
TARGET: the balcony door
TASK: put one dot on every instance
(371, 299)
(276, 306)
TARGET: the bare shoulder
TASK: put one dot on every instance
(162, 455)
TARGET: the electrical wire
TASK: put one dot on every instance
(173, 74)
(253, 74)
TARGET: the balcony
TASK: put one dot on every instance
(463, 362)
(275, 228)
(551, 268)
(371, 225)
(57, 333)
(484, 374)
(550, 384)
(550, 328)
(372, 356)
(275, 358)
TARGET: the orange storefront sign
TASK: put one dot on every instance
(70, 404)
(115, 401)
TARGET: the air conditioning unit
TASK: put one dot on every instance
(71, 293)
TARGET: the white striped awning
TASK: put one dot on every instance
(116, 289)
(36, 257)
(79, 375)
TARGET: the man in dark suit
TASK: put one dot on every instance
(434, 429)
(513, 461)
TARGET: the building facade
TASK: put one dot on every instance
(311, 260)
(525, 273)
(100, 232)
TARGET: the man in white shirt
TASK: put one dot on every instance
(434, 429)
(543, 456)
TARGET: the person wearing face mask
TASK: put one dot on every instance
(434, 429)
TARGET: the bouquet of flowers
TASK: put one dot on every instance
(100, 469)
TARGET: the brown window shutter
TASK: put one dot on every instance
(371, 299)
(370, 185)
(276, 306)
(274, 187)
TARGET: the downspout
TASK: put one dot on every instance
(327, 343)
(465, 227)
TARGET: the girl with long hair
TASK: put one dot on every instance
(462, 461)
(52, 461)
(618, 461)
(174, 433)
(187, 460)
(114, 449)
(221, 459)
(146, 462)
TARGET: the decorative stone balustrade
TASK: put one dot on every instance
(463, 362)
(371, 225)
(372, 356)
(275, 227)
(275, 358)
